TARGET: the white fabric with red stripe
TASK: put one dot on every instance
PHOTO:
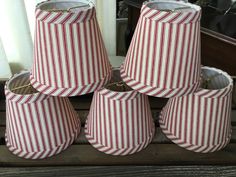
(163, 59)
(37, 125)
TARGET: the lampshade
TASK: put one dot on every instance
(201, 121)
(120, 120)
(163, 59)
(37, 125)
(69, 54)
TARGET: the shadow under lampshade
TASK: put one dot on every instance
(163, 59)
(37, 125)
(201, 121)
(69, 55)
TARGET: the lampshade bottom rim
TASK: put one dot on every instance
(69, 91)
(57, 149)
(123, 151)
(206, 148)
(158, 91)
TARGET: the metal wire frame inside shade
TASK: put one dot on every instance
(21, 85)
(213, 80)
(169, 6)
(64, 6)
(116, 83)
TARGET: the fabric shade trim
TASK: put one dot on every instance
(65, 92)
(158, 92)
(43, 153)
(119, 151)
(184, 16)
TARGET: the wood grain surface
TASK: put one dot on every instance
(154, 154)
(121, 171)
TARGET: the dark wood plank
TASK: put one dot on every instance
(2, 118)
(2, 135)
(158, 138)
(221, 54)
(2, 84)
(121, 171)
(154, 154)
(233, 117)
(2, 105)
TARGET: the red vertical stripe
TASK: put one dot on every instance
(66, 51)
(138, 45)
(94, 74)
(169, 43)
(184, 62)
(80, 54)
(86, 52)
(34, 129)
(59, 56)
(154, 53)
(73, 56)
(46, 52)
(46, 125)
(142, 54)
(161, 54)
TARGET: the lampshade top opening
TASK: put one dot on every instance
(213, 79)
(170, 6)
(116, 84)
(71, 6)
(21, 85)
(118, 87)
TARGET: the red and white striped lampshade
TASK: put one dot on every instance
(201, 121)
(69, 54)
(119, 122)
(163, 59)
(37, 125)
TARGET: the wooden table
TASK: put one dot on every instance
(161, 157)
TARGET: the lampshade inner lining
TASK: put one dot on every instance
(63, 5)
(213, 80)
(21, 85)
(169, 6)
